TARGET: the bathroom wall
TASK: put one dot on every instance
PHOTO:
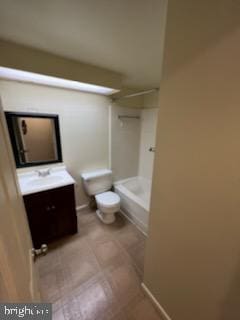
(147, 140)
(84, 120)
(192, 260)
(125, 142)
(151, 100)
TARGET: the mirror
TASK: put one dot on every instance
(35, 138)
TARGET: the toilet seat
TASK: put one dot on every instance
(108, 199)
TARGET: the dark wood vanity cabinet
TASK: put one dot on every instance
(51, 214)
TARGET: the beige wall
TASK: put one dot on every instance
(83, 123)
(147, 140)
(125, 139)
(151, 100)
(192, 263)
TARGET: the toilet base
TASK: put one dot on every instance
(106, 218)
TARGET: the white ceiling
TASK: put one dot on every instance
(122, 35)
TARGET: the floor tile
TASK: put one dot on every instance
(136, 252)
(85, 217)
(120, 316)
(141, 310)
(74, 246)
(83, 268)
(125, 283)
(108, 252)
(70, 308)
(96, 274)
(49, 287)
(96, 301)
(58, 315)
(95, 232)
(49, 262)
(129, 236)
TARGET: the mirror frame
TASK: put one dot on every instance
(9, 115)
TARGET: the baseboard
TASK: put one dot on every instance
(155, 302)
(79, 208)
(133, 222)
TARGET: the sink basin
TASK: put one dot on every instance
(31, 182)
(44, 181)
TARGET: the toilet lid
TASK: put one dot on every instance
(108, 199)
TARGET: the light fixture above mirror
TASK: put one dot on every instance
(25, 76)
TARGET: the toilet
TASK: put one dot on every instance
(98, 184)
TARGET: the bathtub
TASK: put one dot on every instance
(135, 200)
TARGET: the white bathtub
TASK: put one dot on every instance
(135, 199)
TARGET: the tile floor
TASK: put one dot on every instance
(97, 273)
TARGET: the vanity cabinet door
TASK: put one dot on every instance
(41, 218)
(63, 200)
(51, 214)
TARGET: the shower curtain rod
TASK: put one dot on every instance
(128, 117)
(140, 93)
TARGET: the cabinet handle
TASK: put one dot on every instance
(49, 208)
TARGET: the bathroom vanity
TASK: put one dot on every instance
(51, 214)
(48, 193)
(50, 204)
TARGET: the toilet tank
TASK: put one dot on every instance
(98, 181)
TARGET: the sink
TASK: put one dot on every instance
(43, 181)
(33, 181)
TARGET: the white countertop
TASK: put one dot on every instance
(31, 182)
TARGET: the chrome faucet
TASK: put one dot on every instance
(43, 173)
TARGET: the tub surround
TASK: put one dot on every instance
(125, 140)
(147, 140)
(132, 162)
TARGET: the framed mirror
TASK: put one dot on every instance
(35, 138)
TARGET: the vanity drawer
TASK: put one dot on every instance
(51, 214)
